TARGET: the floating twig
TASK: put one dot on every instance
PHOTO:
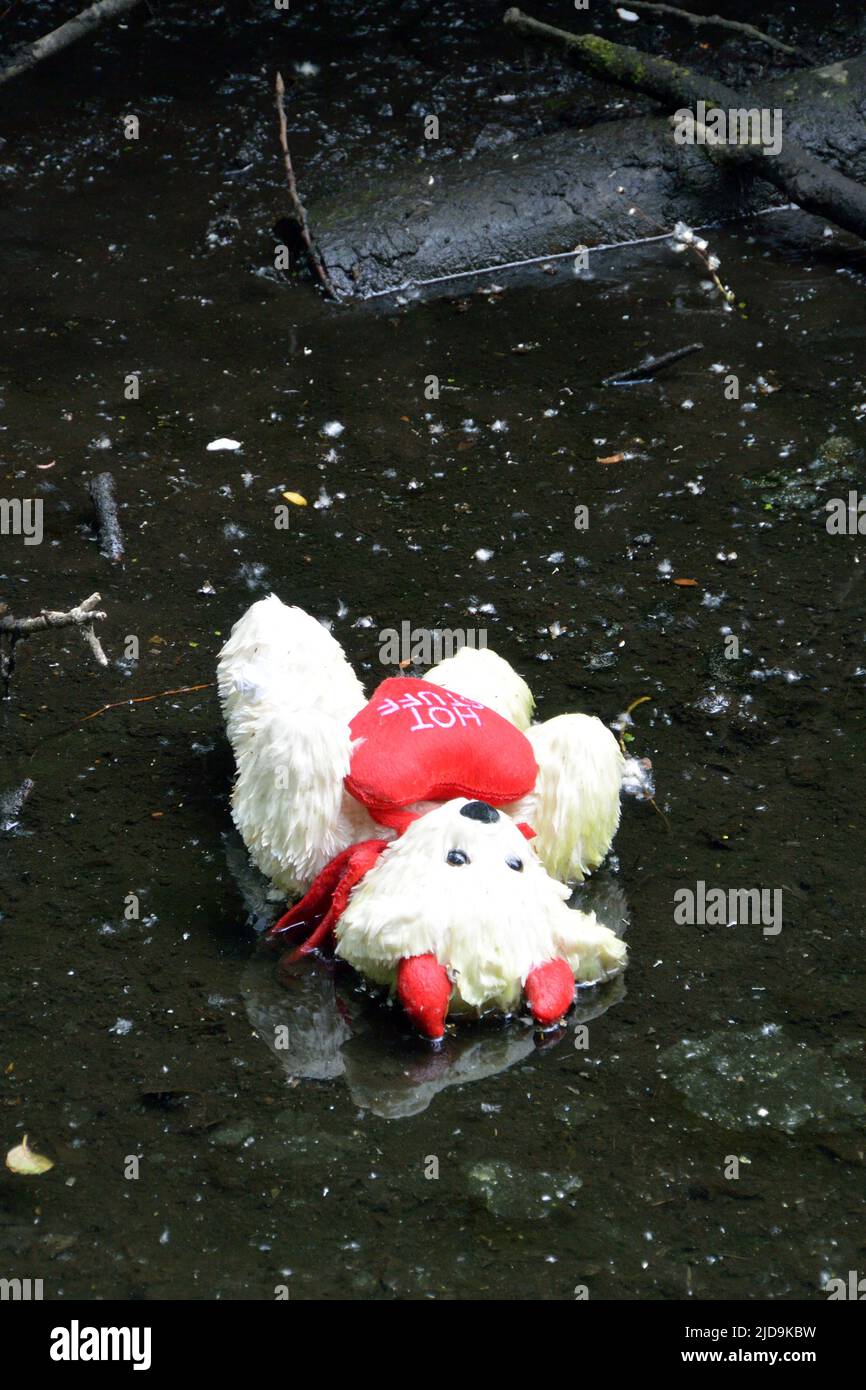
(142, 699)
(60, 38)
(83, 617)
(650, 366)
(84, 613)
(101, 490)
(299, 212)
(685, 238)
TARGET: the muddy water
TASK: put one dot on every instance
(153, 1036)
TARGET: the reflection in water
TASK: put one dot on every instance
(321, 1023)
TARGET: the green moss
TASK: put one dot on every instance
(838, 463)
(599, 48)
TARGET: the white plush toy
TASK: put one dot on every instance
(433, 828)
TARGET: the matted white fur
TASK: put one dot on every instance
(487, 923)
(289, 694)
(575, 804)
(482, 675)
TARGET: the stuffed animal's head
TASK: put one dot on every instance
(464, 886)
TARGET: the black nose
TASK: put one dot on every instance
(479, 810)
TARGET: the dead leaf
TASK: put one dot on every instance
(687, 583)
(23, 1160)
(612, 458)
(297, 499)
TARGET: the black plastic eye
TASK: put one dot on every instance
(514, 863)
(456, 856)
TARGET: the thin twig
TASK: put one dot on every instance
(650, 366)
(641, 700)
(299, 212)
(142, 699)
(60, 38)
(716, 20)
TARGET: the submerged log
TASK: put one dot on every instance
(782, 161)
(546, 196)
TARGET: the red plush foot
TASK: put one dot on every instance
(423, 988)
(550, 990)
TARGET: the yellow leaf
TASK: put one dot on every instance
(24, 1160)
(296, 499)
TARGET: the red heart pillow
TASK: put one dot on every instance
(419, 742)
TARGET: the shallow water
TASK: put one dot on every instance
(154, 1036)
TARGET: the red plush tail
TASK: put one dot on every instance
(319, 910)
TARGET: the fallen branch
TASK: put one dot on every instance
(299, 212)
(805, 180)
(14, 629)
(649, 367)
(66, 34)
(101, 490)
(717, 22)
